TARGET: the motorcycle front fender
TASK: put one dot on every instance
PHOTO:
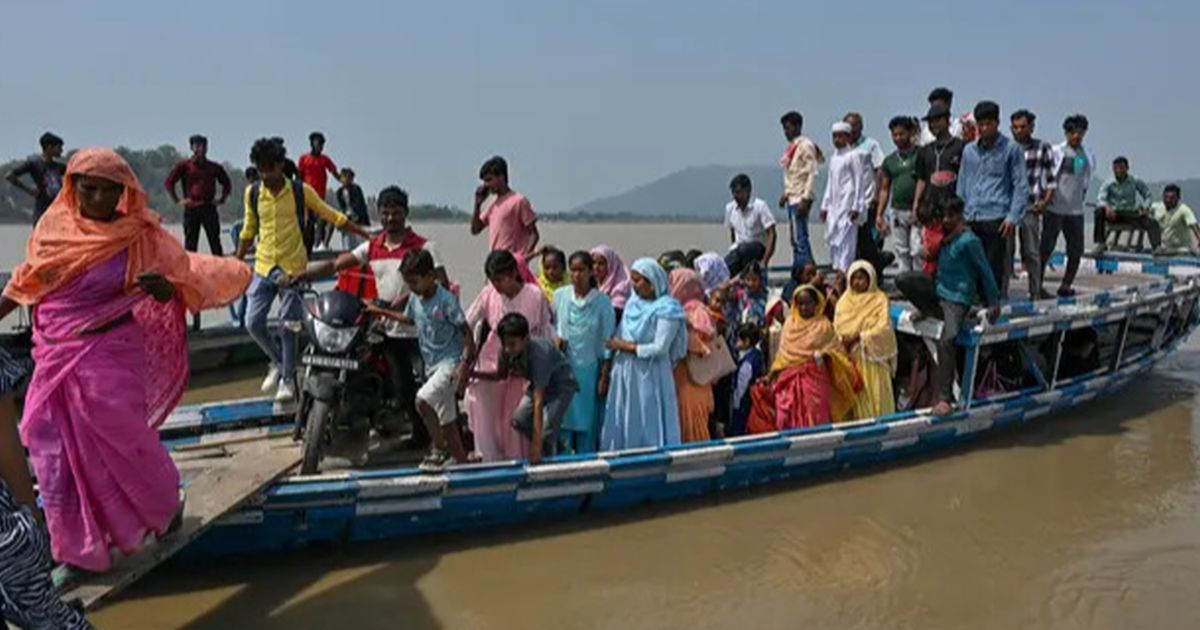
(322, 386)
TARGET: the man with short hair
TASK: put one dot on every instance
(941, 97)
(200, 177)
(751, 227)
(505, 213)
(898, 183)
(315, 167)
(868, 243)
(994, 188)
(1039, 168)
(1179, 230)
(1074, 166)
(848, 190)
(46, 172)
(274, 211)
(938, 162)
(1124, 199)
(800, 163)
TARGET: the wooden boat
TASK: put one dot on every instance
(1136, 310)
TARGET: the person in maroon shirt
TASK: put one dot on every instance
(315, 167)
(200, 177)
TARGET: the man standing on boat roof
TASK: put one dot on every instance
(941, 97)
(851, 185)
(46, 172)
(800, 163)
(868, 243)
(1123, 199)
(200, 177)
(994, 189)
(898, 185)
(1074, 166)
(1039, 168)
(938, 162)
(507, 214)
(275, 209)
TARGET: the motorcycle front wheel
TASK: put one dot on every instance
(314, 436)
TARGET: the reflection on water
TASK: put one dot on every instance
(1086, 520)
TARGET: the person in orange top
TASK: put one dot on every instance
(314, 167)
(695, 401)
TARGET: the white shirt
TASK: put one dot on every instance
(851, 184)
(749, 225)
(871, 147)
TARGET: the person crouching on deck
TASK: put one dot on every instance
(814, 381)
(851, 185)
(109, 285)
(552, 384)
(863, 323)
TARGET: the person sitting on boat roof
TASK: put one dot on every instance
(447, 348)
(552, 386)
(507, 214)
(863, 323)
(642, 408)
(1180, 233)
(490, 403)
(751, 227)
(1124, 199)
(274, 212)
(1075, 166)
(27, 596)
(110, 286)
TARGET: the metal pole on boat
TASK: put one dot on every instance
(970, 365)
(1058, 350)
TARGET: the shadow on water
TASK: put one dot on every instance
(326, 587)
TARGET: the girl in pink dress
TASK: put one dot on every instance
(490, 403)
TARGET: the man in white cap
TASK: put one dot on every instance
(850, 186)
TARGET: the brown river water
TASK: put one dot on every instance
(1086, 519)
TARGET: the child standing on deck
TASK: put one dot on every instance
(964, 274)
(751, 367)
(584, 322)
(447, 349)
(751, 296)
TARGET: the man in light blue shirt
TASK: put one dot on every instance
(994, 188)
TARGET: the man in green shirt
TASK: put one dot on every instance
(1123, 200)
(1179, 230)
(898, 182)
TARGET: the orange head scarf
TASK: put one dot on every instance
(688, 290)
(65, 243)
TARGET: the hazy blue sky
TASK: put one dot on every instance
(584, 98)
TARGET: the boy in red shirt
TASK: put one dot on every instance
(314, 167)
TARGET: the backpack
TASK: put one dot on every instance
(301, 211)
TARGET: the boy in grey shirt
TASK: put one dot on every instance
(552, 384)
(1073, 170)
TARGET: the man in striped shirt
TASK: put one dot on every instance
(1039, 167)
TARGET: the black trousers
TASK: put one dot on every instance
(202, 216)
(1145, 223)
(1071, 227)
(996, 248)
(918, 288)
(741, 256)
(404, 359)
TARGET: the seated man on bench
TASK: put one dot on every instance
(1124, 201)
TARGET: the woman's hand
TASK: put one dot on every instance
(620, 345)
(602, 384)
(156, 285)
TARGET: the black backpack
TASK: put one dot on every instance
(301, 211)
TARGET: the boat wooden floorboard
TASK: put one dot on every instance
(217, 481)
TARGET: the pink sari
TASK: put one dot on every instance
(91, 410)
(490, 404)
(802, 396)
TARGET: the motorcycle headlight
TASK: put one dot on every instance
(332, 339)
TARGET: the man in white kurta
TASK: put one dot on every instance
(850, 186)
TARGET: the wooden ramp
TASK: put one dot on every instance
(218, 478)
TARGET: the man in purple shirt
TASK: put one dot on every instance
(200, 177)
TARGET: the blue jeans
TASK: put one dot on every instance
(237, 310)
(280, 348)
(798, 229)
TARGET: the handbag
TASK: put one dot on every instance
(713, 366)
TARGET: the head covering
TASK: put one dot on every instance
(686, 286)
(842, 127)
(64, 243)
(549, 286)
(867, 314)
(937, 111)
(713, 270)
(802, 337)
(616, 284)
(641, 315)
(687, 289)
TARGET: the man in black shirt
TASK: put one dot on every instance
(937, 162)
(353, 204)
(46, 173)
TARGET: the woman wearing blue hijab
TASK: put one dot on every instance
(642, 409)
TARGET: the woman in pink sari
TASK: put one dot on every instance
(109, 287)
(490, 403)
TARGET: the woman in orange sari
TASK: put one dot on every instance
(110, 287)
(814, 381)
(695, 401)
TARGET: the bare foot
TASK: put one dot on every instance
(943, 408)
(475, 457)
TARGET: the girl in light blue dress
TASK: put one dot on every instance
(584, 322)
